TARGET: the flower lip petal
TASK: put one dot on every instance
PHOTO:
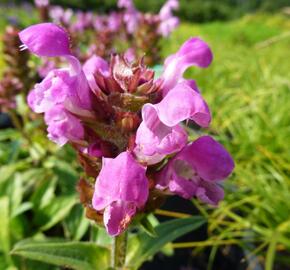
(194, 52)
(120, 189)
(154, 139)
(180, 104)
(63, 126)
(117, 217)
(209, 158)
(196, 171)
(46, 39)
(121, 178)
(210, 193)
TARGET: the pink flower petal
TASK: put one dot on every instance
(120, 189)
(46, 39)
(194, 52)
(117, 217)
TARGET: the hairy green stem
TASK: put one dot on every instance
(16, 122)
(19, 126)
(118, 252)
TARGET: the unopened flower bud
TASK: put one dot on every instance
(128, 122)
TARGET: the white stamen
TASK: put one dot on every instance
(23, 47)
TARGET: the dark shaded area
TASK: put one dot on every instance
(5, 121)
(191, 10)
(226, 258)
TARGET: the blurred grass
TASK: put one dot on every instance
(248, 90)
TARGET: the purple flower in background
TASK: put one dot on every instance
(46, 66)
(127, 4)
(167, 26)
(168, 22)
(114, 21)
(131, 19)
(56, 13)
(67, 16)
(120, 190)
(130, 55)
(168, 7)
(194, 52)
(41, 3)
(60, 15)
(131, 15)
(196, 171)
(160, 133)
(99, 23)
(84, 20)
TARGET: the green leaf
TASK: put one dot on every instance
(4, 228)
(9, 134)
(21, 209)
(15, 148)
(141, 247)
(102, 237)
(148, 227)
(33, 175)
(8, 170)
(271, 251)
(3, 264)
(55, 212)
(44, 193)
(74, 255)
(67, 175)
(15, 193)
(37, 151)
(76, 224)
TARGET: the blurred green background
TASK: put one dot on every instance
(196, 10)
(248, 90)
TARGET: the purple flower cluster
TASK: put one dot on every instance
(167, 22)
(60, 15)
(41, 3)
(81, 21)
(119, 114)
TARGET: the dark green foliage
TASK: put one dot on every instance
(193, 10)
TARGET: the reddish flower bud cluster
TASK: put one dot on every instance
(16, 77)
